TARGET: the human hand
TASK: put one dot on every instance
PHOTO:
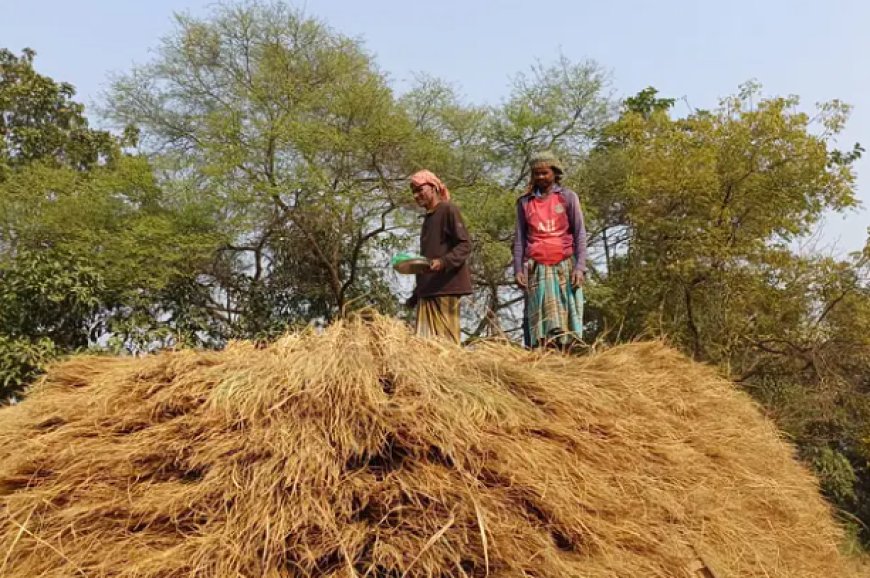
(522, 281)
(578, 279)
(436, 265)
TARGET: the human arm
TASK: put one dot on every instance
(519, 248)
(454, 228)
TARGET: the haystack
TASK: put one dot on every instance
(364, 451)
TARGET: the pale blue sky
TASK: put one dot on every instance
(694, 49)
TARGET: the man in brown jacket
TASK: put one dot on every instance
(444, 241)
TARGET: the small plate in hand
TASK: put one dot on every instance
(412, 266)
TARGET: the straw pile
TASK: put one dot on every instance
(366, 452)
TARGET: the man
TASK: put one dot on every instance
(444, 241)
(550, 256)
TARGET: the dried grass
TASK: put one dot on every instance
(364, 451)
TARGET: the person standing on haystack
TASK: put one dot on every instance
(550, 256)
(445, 242)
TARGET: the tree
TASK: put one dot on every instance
(47, 307)
(87, 239)
(291, 131)
(39, 121)
(708, 202)
(699, 217)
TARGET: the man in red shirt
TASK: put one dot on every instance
(445, 242)
(550, 255)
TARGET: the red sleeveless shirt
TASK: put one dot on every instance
(549, 234)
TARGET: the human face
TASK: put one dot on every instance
(425, 196)
(543, 177)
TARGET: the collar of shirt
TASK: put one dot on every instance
(557, 188)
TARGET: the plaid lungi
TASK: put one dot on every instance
(554, 309)
(439, 317)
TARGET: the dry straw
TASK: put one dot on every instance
(364, 451)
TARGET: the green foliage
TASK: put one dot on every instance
(21, 361)
(49, 298)
(560, 107)
(698, 212)
(88, 241)
(47, 306)
(45, 297)
(697, 218)
(296, 141)
(645, 103)
(40, 122)
(836, 472)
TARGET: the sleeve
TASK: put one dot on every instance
(519, 238)
(461, 243)
(578, 230)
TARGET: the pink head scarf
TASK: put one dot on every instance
(425, 177)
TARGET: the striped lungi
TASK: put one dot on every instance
(554, 309)
(439, 317)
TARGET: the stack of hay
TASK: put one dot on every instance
(364, 451)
